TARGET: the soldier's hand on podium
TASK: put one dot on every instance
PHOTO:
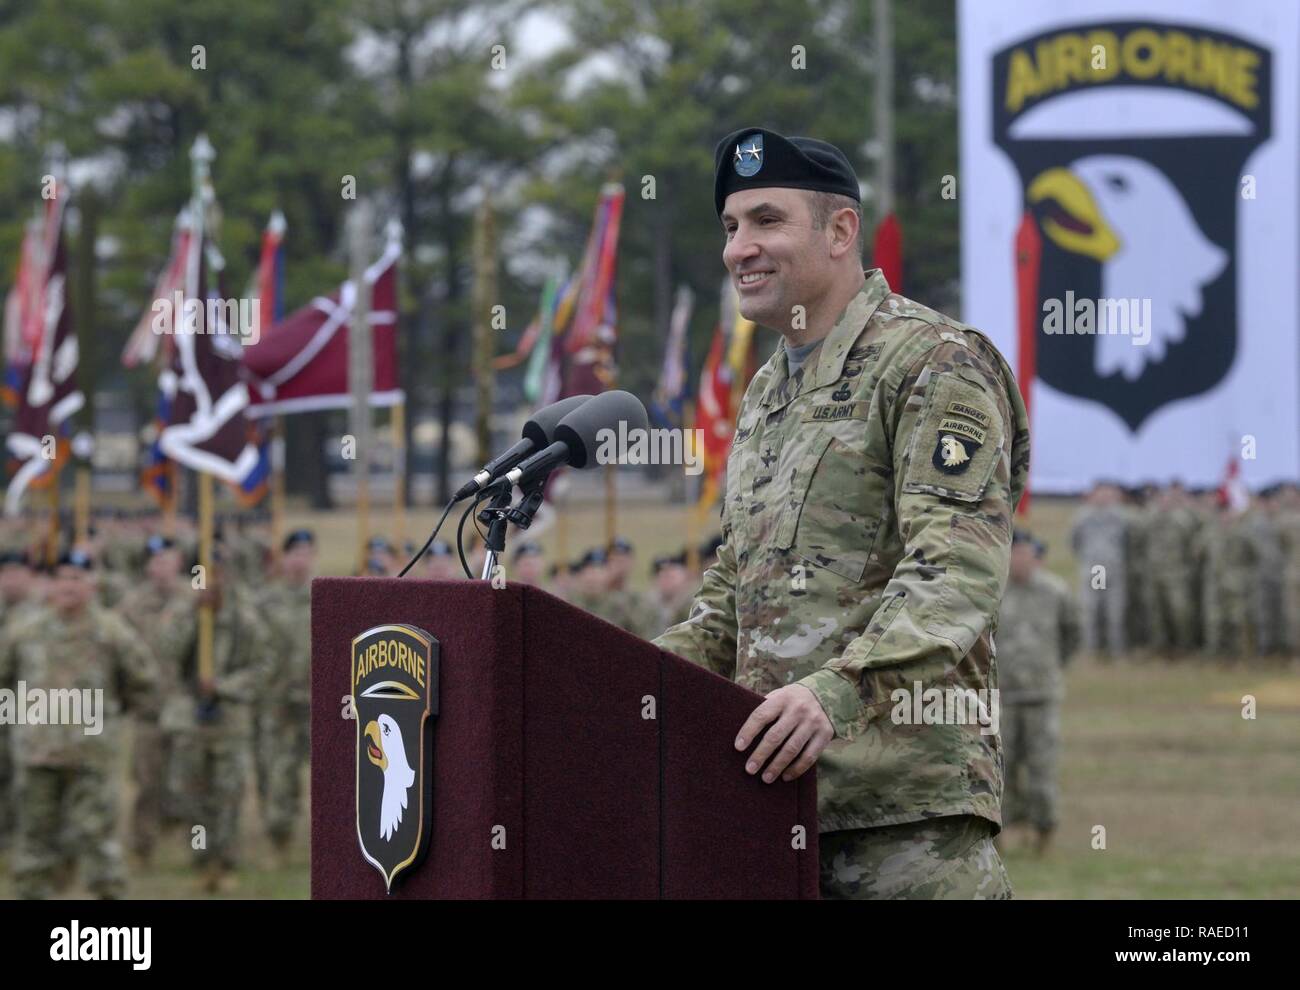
(799, 731)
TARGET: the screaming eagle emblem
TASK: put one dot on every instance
(395, 692)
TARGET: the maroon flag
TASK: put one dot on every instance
(208, 429)
(303, 365)
(48, 396)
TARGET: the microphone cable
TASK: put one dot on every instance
(429, 542)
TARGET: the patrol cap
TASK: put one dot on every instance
(528, 548)
(757, 158)
(76, 558)
(157, 544)
(296, 537)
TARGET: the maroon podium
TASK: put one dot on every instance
(570, 759)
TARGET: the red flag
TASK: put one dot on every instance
(303, 365)
(887, 252)
(1029, 250)
(48, 394)
(208, 426)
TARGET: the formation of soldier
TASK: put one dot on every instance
(118, 613)
(1177, 572)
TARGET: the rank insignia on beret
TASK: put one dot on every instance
(748, 156)
(953, 452)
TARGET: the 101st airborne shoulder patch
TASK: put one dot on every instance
(395, 694)
(957, 443)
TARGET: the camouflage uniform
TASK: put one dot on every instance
(284, 705)
(1038, 632)
(1168, 575)
(668, 613)
(616, 607)
(210, 759)
(64, 776)
(1265, 587)
(1227, 558)
(867, 527)
(1139, 604)
(1289, 536)
(1098, 539)
(154, 616)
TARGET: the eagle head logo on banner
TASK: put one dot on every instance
(1127, 268)
(395, 693)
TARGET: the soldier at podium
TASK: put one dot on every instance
(878, 456)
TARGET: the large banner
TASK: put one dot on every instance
(1130, 218)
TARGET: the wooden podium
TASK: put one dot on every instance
(570, 759)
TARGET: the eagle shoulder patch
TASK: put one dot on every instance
(957, 440)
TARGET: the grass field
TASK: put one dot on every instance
(1196, 801)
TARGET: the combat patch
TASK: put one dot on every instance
(951, 455)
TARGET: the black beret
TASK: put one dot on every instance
(668, 560)
(756, 158)
(596, 555)
(528, 548)
(157, 544)
(296, 537)
(75, 558)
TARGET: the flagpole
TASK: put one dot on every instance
(485, 297)
(52, 535)
(692, 504)
(398, 427)
(277, 486)
(201, 154)
(360, 370)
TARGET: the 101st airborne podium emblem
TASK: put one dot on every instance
(395, 693)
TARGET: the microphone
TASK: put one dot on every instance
(576, 439)
(537, 433)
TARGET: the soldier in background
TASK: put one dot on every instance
(211, 757)
(381, 558)
(592, 592)
(643, 619)
(1288, 522)
(152, 609)
(1038, 632)
(284, 700)
(1265, 588)
(440, 563)
(1098, 538)
(64, 774)
(1227, 560)
(1170, 528)
(527, 563)
(1137, 611)
(673, 591)
(15, 583)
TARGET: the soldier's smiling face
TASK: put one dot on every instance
(776, 257)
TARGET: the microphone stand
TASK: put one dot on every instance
(499, 512)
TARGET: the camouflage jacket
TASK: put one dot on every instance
(867, 532)
(57, 656)
(287, 615)
(1169, 535)
(1098, 535)
(240, 657)
(157, 618)
(1038, 632)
